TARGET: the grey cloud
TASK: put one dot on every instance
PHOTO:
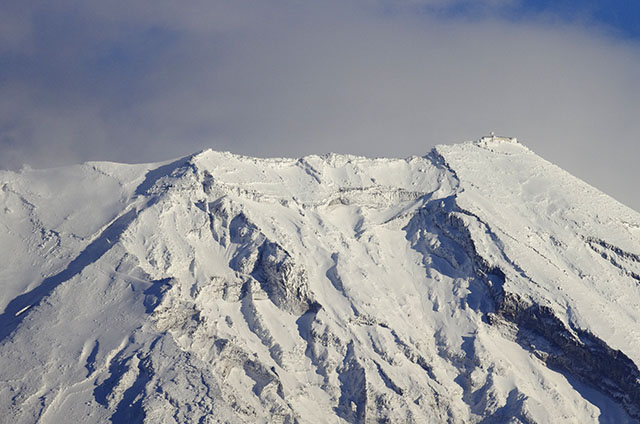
(111, 81)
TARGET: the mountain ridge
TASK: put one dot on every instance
(476, 283)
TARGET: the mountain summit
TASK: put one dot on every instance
(479, 283)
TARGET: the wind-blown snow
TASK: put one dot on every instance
(479, 282)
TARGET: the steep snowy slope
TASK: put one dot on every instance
(479, 283)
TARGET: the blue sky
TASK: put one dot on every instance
(152, 80)
(618, 18)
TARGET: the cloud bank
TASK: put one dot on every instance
(155, 80)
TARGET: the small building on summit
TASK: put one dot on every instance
(493, 137)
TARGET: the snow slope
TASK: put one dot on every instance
(479, 283)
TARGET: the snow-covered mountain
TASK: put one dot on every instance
(479, 283)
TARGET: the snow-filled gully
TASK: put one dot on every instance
(337, 289)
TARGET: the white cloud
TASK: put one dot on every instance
(290, 78)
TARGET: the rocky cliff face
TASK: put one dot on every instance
(476, 284)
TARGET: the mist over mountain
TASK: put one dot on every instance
(478, 283)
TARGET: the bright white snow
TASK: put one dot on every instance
(324, 289)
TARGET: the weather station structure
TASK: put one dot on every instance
(493, 137)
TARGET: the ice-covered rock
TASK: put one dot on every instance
(479, 283)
